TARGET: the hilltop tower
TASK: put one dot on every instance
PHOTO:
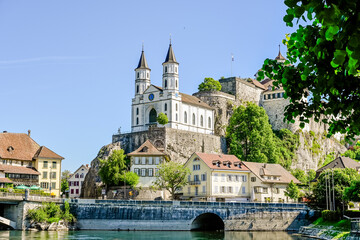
(170, 79)
(142, 75)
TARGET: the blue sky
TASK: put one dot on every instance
(67, 67)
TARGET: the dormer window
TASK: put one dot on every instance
(10, 149)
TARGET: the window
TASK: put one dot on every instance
(189, 178)
(203, 189)
(244, 178)
(273, 95)
(196, 167)
(165, 69)
(230, 189)
(203, 177)
(157, 160)
(176, 69)
(151, 172)
(53, 185)
(176, 85)
(137, 88)
(77, 175)
(45, 175)
(45, 164)
(216, 189)
(185, 117)
(165, 84)
(223, 177)
(136, 170)
(278, 95)
(196, 178)
(215, 177)
(201, 121)
(209, 123)
(137, 121)
(136, 160)
(70, 183)
(264, 97)
(229, 178)
(193, 119)
(237, 179)
(72, 191)
(243, 190)
(44, 185)
(222, 189)
(54, 165)
(269, 96)
(143, 172)
(277, 190)
(138, 75)
(77, 191)
(150, 161)
(258, 189)
(176, 107)
(265, 190)
(137, 111)
(253, 179)
(82, 175)
(143, 160)
(165, 107)
(176, 117)
(147, 75)
(53, 175)
(282, 95)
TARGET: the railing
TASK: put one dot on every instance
(21, 196)
(194, 182)
(192, 203)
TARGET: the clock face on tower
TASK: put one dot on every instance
(151, 96)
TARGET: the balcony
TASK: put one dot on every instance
(194, 183)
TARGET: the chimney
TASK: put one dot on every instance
(29, 132)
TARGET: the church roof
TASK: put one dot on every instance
(170, 56)
(280, 57)
(147, 148)
(142, 62)
(192, 100)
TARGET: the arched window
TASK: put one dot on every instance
(137, 121)
(138, 75)
(176, 106)
(165, 83)
(193, 119)
(137, 111)
(176, 84)
(201, 121)
(152, 116)
(185, 117)
(165, 107)
(176, 117)
(209, 122)
(165, 69)
(137, 88)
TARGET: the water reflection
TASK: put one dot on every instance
(148, 235)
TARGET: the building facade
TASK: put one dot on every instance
(76, 181)
(184, 112)
(145, 161)
(25, 162)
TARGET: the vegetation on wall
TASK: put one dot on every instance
(50, 212)
(209, 84)
(323, 64)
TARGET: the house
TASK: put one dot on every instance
(217, 177)
(23, 161)
(268, 181)
(221, 177)
(145, 161)
(339, 162)
(76, 181)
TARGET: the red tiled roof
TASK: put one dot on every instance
(147, 148)
(44, 152)
(17, 146)
(18, 169)
(211, 159)
(192, 100)
(5, 180)
(258, 84)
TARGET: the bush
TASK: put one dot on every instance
(50, 212)
(351, 205)
(331, 216)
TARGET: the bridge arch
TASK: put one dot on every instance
(207, 222)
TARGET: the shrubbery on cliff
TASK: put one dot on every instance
(50, 212)
(210, 84)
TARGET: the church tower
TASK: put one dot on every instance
(142, 75)
(170, 72)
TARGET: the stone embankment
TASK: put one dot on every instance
(55, 226)
(324, 232)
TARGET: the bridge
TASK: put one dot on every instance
(180, 215)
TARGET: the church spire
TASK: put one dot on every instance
(279, 56)
(142, 62)
(170, 56)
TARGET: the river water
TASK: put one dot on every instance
(152, 235)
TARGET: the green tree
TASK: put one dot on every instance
(171, 176)
(342, 179)
(209, 84)
(353, 153)
(352, 193)
(64, 185)
(250, 135)
(323, 64)
(112, 169)
(162, 119)
(65, 174)
(292, 191)
(287, 143)
(302, 176)
(131, 179)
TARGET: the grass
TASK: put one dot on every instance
(343, 225)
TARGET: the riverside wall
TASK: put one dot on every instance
(174, 215)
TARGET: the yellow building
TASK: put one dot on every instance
(23, 161)
(217, 177)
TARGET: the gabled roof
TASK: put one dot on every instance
(18, 146)
(270, 169)
(142, 62)
(192, 100)
(212, 160)
(147, 148)
(340, 162)
(170, 56)
(44, 152)
(18, 169)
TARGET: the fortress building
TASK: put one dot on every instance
(185, 112)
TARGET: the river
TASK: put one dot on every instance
(151, 235)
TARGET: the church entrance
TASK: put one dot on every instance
(152, 116)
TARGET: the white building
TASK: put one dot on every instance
(76, 181)
(184, 111)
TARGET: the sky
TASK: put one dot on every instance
(67, 67)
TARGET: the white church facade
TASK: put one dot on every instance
(185, 112)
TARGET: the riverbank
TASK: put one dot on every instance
(321, 229)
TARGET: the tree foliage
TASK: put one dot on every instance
(342, 179)
(323, 64)
(354, 152)
(130, 178)
(64, 185)
(302, 176)
(51, 212)
(209, 84)
(286, 145)
(292, 191)
(171, 176)
(250, 135)
(65, 174)
(162, 119)
(352, 193)
(112, 169)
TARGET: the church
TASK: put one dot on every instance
(184, 112)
